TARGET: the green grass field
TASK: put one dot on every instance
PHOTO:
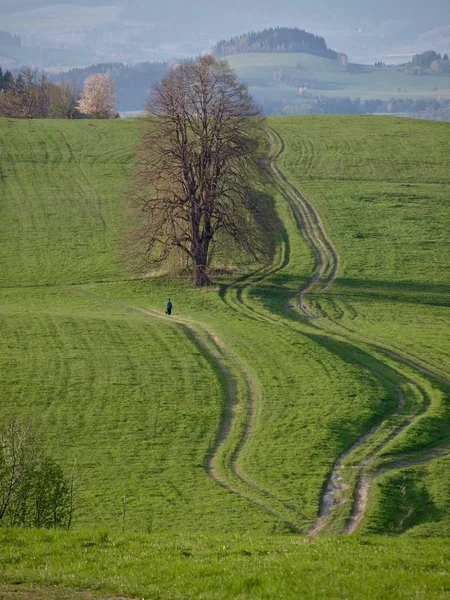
(323, 76)
(231, 417)
(387, 212)
(61, 565)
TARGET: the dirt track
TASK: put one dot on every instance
(214, 349)
(237, 376)
(327, 265)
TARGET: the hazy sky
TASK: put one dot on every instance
(416, 12)
(142, 29)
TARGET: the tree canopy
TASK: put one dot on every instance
(198, 168)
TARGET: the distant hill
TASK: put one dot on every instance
(298, 83)
(119, 30)
(278, 39)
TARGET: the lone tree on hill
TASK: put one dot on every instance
(99, 97)
(198, 168)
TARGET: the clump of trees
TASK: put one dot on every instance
(26, 96)
(64, 100)
(34, 491)
(278, 39)
(31, 95)
(198, 169)
(132, 82)
(428, 62)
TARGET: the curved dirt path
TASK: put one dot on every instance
(309, 223)
(327, 265)
(217, 353)
(240, 393)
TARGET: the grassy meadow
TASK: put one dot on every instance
(61, 565)
(382, 191)
(327, 77)
(223, 424)
(99, 366)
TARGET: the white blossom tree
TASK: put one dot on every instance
(99, 97)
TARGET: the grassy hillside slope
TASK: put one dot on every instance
(323, 76)
(113, 391)
(233, 415)
(382, 190)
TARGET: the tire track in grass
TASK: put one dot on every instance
(220, 356)
(367, 478)
(316, 234)
(239, 305)
(310, 225)
(336, 484)
(240, 397)
(327, 265)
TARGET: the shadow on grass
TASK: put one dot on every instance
(281, 284)
(393, 288)
(273, 237)
(403, 501)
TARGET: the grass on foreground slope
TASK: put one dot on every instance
(56, 565)
(132, 400)
(382, 189)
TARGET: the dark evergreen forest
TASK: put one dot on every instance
(275, 39)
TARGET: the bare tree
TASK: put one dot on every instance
(28, 96)
(64, 100)
(18, 455)
(10, 105)
(98, 98)
(198, 168)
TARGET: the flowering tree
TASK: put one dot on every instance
(99, 97)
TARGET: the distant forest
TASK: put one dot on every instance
(428, 62)
(438, 110)
(278, 39)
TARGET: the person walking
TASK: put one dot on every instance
(169, 307)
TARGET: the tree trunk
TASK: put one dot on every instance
(200, 259)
